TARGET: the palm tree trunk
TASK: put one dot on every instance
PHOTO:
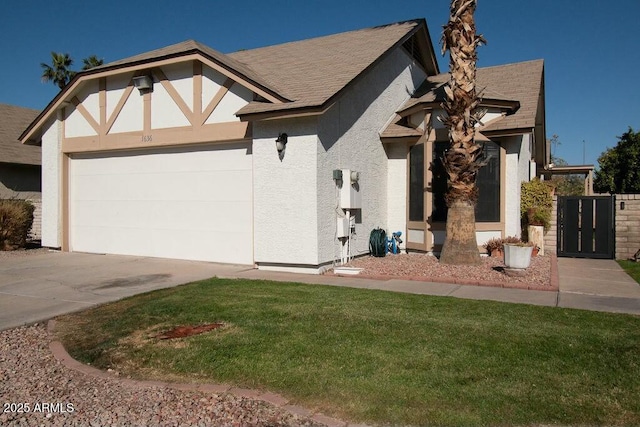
(463, 159)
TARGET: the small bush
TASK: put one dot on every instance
(16, 217)
(497, 244)
(536, 203)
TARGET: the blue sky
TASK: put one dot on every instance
(590, 47)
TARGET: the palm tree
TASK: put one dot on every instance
(464, 157)
(58, 72)
(91, 62)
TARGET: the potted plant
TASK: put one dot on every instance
(517, 255)
(494, 247)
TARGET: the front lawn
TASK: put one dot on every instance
(632, 268)
(377, 357)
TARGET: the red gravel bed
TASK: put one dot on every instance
(490, 272)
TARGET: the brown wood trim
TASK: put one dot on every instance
(173, 93)
(146, 113)
(65, 203)
(197, 93)
(119, 106)
(213, 133)
(216, 100)
(102, 100)
(503, 190)
(61, 97)
(87, 116)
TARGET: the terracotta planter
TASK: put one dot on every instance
(497, 253)
(517, 256)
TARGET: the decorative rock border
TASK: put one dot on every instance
(554, 282)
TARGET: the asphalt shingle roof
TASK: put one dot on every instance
(310, 72)
(186, 47)
(13, 120)
(522, 82)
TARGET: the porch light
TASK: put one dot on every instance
(281, 144)
(143, 83)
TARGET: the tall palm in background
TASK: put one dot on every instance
(59, 72)
(464, 156)
(91, 62)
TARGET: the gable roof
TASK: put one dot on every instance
(185, 48)
(311, 72)
(522, 81)
(299, 77)
(13, 120)
(516, 87)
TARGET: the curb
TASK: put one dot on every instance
(554, 282)
(61, 355)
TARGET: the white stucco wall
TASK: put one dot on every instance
(237, 97)
(285, 200)
(181, 77)
(116, 86)
(131, 118)
(517, 171)
(397, 188)
(349, 139)
(76, 125)
(165, 113)
(51, 184)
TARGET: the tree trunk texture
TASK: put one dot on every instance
(460, 246)
(463, 158)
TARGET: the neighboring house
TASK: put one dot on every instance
(185, 152)
(19, 163)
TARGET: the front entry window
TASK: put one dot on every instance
(488, 182)
(416, 183)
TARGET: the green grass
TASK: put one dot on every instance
(632, 268)
(378, 357)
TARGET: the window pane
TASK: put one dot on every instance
(439, 182)
(416, 183)
(488, 182)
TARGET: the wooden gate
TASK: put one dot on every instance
(586, 226)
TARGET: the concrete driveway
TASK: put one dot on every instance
(39, 286)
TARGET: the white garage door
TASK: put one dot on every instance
(183, 203)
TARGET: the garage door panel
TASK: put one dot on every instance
(232, 157)
(162, 208)
(185, 186)
(165, 215)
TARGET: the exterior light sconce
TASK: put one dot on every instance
(281, 144)
(143, 83)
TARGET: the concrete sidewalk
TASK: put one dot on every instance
(587, 284)
(38, 287)
(597, 284)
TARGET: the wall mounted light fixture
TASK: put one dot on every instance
(143, 83)
(281, 144)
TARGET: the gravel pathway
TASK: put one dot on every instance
(36, 389)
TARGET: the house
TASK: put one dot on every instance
(284, 157)
(19, 163)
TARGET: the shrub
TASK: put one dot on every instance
(493, 245)
(536, 203)
(16, 217)
(497, 244)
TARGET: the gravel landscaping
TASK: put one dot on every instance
(425, 267)
(36, 389)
